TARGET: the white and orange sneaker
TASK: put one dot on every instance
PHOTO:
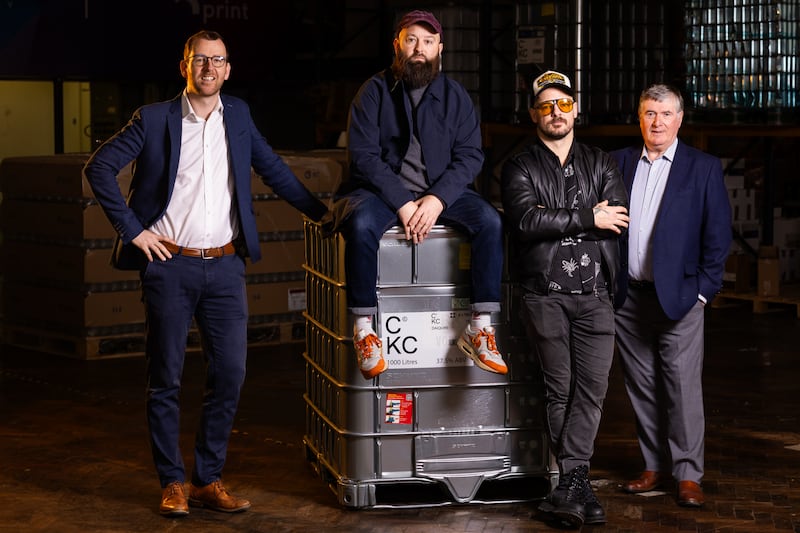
(369, 351)
(481, 347)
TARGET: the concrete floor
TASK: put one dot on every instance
(74, 454)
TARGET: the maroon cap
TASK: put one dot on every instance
(416, 17)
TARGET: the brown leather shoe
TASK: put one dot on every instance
(649, 480)
(215, 496)
(173, 500)
(690, 494)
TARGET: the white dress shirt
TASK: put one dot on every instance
(200, 212)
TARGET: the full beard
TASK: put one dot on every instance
(416, 74)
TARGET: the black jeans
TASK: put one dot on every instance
(573, 336)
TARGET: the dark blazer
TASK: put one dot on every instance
(692, 235)
(153, 138)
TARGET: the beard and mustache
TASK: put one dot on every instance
(416, 74)
(549, 131)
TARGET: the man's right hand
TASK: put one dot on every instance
(404, 214)
(418, 217)
(151, 244)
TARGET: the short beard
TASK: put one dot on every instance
(415, 74)
(550, 135)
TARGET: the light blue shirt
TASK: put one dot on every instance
(649, 183)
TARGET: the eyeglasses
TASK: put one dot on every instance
(546, 107)
(201, 60)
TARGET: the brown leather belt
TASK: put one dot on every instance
(205, 253)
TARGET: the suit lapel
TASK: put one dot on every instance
(232, 132)
(678, 175)
(174, 133)
(629, 172)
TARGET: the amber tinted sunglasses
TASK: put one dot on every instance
(546, 107)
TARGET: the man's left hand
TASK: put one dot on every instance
(429, 207)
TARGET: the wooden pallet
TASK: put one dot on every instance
(272, 334)
(132, 344)
(94, 347)
(789, 297)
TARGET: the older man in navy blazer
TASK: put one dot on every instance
(673, 257)
(187, 226)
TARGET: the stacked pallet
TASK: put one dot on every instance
(276, 285)
(60, 294)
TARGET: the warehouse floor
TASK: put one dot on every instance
(74, 453)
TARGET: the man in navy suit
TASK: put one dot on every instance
(673, 257)
(187, 226)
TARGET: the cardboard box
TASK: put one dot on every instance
(71, 221)
(53, 177)
(277, 216)
(734, 181)
(734, 173)
(750, 233)
(743, 205)
(319, 172)
(790, 264)
(42, 264)
(769, 271)
(276, 297)
(74, 308)
(786, 232)
(738, 272)
(279, 256)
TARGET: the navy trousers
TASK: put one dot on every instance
(370, 217)
(213, 293)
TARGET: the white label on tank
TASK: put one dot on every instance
(423, 339)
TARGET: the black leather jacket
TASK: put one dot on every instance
(532, 186)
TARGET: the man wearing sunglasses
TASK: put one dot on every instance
(566, 205)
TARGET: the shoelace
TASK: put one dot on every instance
(174, 488)
(579, 487)
(490, 342)
(220, 490)
(587, 494)
(364, 345)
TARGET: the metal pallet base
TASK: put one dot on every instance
(423, 492)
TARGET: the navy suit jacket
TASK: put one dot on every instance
(692, 234)
(153, 138)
